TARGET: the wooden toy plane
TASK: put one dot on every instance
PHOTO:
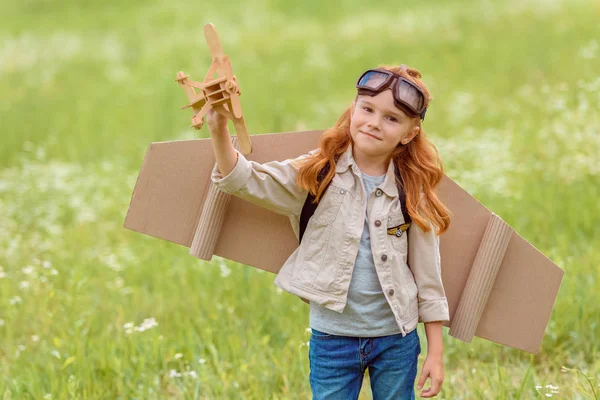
(220, 94)
(499, 287)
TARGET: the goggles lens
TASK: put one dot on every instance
(410, 95)
(373, 80)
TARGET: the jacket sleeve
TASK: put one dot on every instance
(271, 185)
(424, 262)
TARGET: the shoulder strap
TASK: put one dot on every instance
(310, 207)
(402, 196)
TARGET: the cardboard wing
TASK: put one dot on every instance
(499, 287)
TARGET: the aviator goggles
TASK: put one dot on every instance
(407, 96)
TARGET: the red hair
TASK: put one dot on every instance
(418, 162)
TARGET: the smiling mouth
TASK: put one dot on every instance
(374, 137)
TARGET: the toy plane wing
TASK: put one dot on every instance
(499, 287)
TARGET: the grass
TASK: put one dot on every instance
(87, 86)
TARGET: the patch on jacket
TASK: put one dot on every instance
(397, 230)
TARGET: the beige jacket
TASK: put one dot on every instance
(320, 269)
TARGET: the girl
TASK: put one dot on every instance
(367, 282)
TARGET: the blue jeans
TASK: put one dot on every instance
(338, 364)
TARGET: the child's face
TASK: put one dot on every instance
(377, 126)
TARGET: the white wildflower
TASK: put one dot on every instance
(202, 361)
(178, 356)
(56, 354)
(112, 262)
(15, 300)
(128, 327)
(29, 270)
(148, 323)
(1, 322)
(225, 270)
(2, 274)
(24, 285)
(21, 347)
(35, 338)
(192, 374)
(46, 264)
(54, 272)
(174, 374)
(48, 396)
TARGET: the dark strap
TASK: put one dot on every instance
(402, 195)
(309, 207)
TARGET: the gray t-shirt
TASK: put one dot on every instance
(367, 312)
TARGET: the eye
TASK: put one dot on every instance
(393, 119)
(367, 109)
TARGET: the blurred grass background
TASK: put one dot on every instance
(90, 310)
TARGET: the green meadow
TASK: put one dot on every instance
(90, 310)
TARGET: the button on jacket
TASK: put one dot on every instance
(320, 269)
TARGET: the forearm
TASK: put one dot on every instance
(435, 346)
(225, 154)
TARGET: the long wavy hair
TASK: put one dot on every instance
(417, 161)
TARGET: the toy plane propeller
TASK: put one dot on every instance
(220, 94)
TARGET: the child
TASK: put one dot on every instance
(368, 283)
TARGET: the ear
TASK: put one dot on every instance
(412, 133)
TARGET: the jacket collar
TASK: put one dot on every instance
(346, 161)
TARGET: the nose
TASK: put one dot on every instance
(374, 123)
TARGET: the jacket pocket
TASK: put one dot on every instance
(317, 269)
(399, 241)
(312, 252)
(329, 206)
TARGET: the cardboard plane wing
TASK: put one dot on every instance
(499, 287)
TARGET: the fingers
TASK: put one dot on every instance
(215, 117)
(436, 385)
(422, 379)
(216, 122)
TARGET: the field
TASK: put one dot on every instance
(90, 310)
